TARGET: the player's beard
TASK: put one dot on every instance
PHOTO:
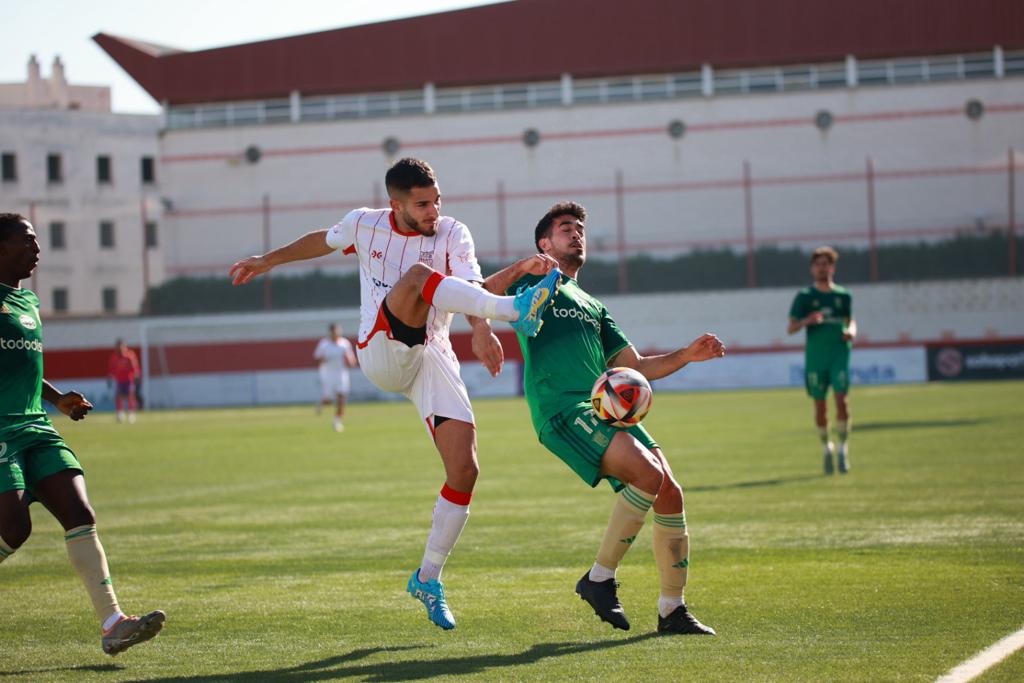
(415, 226)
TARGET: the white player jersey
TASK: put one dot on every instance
(332, 353)
(386, 252)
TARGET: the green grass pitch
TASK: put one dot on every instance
(280, 550)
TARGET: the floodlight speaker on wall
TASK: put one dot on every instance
(252, 154)
(391, 145)
(531, 137)
(676, 129)
(823, 120)
(974, 109)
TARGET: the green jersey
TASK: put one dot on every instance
(562, 362)
(21, 358)
(824, 341)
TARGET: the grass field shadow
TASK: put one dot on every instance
(918, 424)
(99, 668)
(345, 666)
(751, 484)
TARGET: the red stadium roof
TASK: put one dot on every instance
(532, 40)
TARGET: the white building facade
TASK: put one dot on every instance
(87, 178)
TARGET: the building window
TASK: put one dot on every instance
(109, 300)
(148, 170)
(152, 242)
(54, 169)
(106, 234)
(57, 236)
(10, 167)
(60, 299)
(104, 173)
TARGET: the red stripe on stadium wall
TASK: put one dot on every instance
(204, 358)
(297, 354)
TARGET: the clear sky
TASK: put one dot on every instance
(48, 28)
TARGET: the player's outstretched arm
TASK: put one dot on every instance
(72, 404)
(703, 348)
(538, 264)
(797, 324)
(311, 245)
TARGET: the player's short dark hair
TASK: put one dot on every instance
(828, 252)
(10, 223)
(543, 228)
(408, 173)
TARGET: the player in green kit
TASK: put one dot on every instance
(579, 341)
(35, 463)
(825, 310)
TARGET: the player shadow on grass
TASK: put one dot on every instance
(408, 669)
(918, 424)
(751, 484)
(100, 668)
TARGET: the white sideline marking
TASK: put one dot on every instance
(984, 660)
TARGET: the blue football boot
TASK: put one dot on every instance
(531, 302)
(431, 594)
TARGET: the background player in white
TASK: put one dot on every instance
(416, 268)
(334, 356)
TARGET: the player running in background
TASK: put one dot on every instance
(35, 463)
(334, 356)
(826, 310)
(123, 370)
(416, 268)
(580, 341)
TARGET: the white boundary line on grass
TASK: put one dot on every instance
(984, 660)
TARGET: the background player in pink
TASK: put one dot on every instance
(416, 268)
(334, 356)
(123, 370)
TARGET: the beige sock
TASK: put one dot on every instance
(631, 507)
(671, 553)
(89, 560)
(5, 550)
(823, 435)
(842, 430)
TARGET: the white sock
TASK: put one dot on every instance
(601, 573)
(668, 605)
(459, 296)
(449, 521)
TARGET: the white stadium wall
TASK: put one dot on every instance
(936, 171)
(271, 354)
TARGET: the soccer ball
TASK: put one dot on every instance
(621, 397)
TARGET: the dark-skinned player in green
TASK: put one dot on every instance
(35, 463)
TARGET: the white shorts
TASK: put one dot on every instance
(333, 383)
(426, 374)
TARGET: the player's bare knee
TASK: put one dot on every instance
(15, 530)
(670, 494)
(649, 478)
(416, 276)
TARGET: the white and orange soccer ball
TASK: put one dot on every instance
(621, 397)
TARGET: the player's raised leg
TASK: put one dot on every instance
(64, 495)
(671, 543)
(422, 287)
(456, 442)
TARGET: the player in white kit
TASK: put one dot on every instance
(418, 267)
(334, 356)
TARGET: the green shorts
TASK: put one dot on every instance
(818, 377)
(579, 439)
(32, 453)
